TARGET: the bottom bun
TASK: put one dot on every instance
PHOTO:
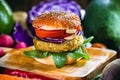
(49, 60)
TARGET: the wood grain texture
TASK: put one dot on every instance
(82, 70)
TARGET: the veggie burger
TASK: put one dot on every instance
(58, 40)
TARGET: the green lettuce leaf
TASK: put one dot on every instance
(86, 54)
(76, 54)
(35, 54)
(88, 40)
(59, 59)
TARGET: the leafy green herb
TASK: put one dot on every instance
(59, 59)
(35, 54)
(86, 55)
(88, 40)
(76, 54)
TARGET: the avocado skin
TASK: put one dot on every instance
(102, 20)
(6, 18)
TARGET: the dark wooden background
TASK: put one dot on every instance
(25, 5)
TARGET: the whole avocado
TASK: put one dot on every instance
(6, 18)
(102, 20)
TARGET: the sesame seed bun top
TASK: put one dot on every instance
(56, 21)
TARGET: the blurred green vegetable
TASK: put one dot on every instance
(102, 20)
(97, 77)
(6, 18)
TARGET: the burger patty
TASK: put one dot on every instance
(67, 45)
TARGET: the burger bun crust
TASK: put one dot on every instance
(56, 21)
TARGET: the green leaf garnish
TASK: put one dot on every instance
(35, 54)
(59, 59)
(88, 40)
(86, 55)
(76, 54)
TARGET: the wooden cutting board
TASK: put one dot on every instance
(82, 70)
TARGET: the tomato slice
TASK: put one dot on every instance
(51, 33)
(79, 28)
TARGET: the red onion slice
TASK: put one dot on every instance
(52, 40)
(57, 40)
